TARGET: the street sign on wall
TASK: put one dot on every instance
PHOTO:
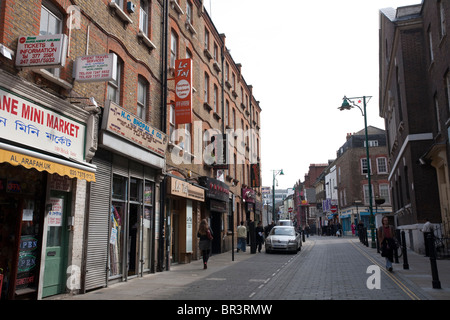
(98, 67)
(183, 91)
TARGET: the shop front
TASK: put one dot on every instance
(124, 202)
(217, 199)
(184, 206)
(43, 147)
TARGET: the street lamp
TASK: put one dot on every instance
(348, 104)
(275, 173)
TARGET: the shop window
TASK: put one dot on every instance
(117, 219)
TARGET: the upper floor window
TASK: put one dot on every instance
(442, 20)
(119, 3)
(206, 88)
(173, 49)
(382, 165)
(430, 43)
(142, 98)
(364, 169)
(372, 143)
(113, 92)
(172, 131)
(143, 17)
(189, 15)
(206, 39)
(51, 23)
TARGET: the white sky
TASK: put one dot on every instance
(302, 57)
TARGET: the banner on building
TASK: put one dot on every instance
(98, 67)
(255, 175)
(183, 91)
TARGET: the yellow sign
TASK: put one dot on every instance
(186, 190)
(30, 162)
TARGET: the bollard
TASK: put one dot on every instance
(378, 242)
(434, 272)
(405, 258)
(367, 237)
(397, 236)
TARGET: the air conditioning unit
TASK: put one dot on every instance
(131, 7)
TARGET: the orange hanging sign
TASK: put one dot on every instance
(183, 91)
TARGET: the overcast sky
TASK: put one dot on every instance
(302, 57)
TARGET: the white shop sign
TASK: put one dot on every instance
(41, 51)
(99, 67)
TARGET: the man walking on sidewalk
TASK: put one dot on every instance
(241, 237)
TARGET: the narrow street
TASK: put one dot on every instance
(327, 268)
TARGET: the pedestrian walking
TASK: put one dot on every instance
(386, 238)
(353, 229)
(259, 236)
(242, 237)
(427, 230)
(206, 236)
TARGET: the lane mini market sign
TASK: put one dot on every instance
(42, 51)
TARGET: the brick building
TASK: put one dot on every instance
(352, 182)
(414, 80)
(91, 191)
(223, 103)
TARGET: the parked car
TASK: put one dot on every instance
(285, 223)
(283, 238)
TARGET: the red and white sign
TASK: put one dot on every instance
(290, 210)
(183, 91)
(333, 209)
(99, 67)
(42, 51)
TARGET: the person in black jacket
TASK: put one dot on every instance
(259, 230)
(205, 234)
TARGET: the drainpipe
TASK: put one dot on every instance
(162, 188)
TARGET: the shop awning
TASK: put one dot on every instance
(41, 162)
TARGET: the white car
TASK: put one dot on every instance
(285, 223)
(283, 238)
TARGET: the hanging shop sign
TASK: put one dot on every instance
(249, 195)
(28, 123)
(126, 125)
(37, 52)
(93, 68)
(255, 175)
(183, 91)
(184, 189)
(216, 189)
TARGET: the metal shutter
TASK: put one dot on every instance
(98, 228)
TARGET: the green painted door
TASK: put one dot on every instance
(56, 249)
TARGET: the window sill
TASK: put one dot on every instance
(50, 77)
(216, 66)
(207, 54)
(191, 28)
(176, 7)
(120, 13)
(144, 39)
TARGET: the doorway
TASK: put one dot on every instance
(57, 241)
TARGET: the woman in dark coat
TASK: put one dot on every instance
(386, 238)
(205, 235)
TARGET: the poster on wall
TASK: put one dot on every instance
(94, 68)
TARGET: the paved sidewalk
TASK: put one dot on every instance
(163, 285)
(419, 272)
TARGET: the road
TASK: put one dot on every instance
(327, 268)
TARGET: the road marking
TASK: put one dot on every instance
(253, 293)
(216, 279)
(396, 280)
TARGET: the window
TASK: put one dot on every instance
(172, 136)
(233, 119)
(206, 88)
(114, 85)
(364, 166)
(447, 84)
(51, 23)
(216, 99)
(206, 39)
(438, 118)
(216, 52)
(189, 14)
(227, 110)
(366, 195)
(430, 43)
(372, 143)
(442, 21)
(382, 166)
(384, 193)
(119, 3)
(187, 138)
(142, 98)
(173, 49)
(143, 17)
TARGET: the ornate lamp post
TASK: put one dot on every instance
(275, 173)
(348, 104)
